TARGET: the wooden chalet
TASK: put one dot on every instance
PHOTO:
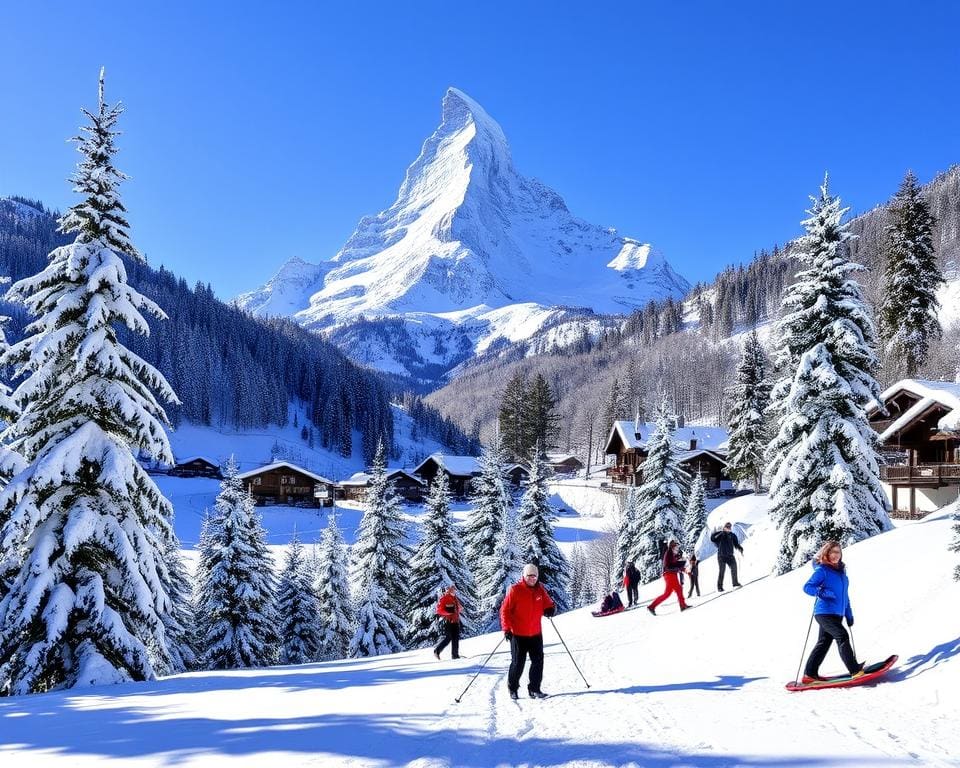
(564, 463)
(408, 486)
(460, 470)
(700, 450)
(919, 428)
(517, 474)
(286, 483)
(196, 466)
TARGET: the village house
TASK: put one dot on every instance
(701, 450)
(518, 474)
(196, 466)
(460, 471)
(564, 463)
(919, 429)
(408, 486)
(286, 483)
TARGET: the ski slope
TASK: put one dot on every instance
(704, 688)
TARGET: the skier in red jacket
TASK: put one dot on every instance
(520, 615)
(673, 564)
(448, 607)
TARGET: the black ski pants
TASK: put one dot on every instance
(452, 636)
(831, 628)
(694, 584)
(724, 562)
(633, 596)
(520, 647)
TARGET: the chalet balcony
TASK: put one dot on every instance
(921, 474)
(620, 474)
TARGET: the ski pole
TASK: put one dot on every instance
(480, 670)
(567, 649)
(803, 653)
(853, 646)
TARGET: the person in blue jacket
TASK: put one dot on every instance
(829, 584)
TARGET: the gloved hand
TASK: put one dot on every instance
(850, 620)
(551, 611)
(826, 594)
(508, 635)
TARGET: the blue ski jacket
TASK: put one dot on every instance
(829, 586)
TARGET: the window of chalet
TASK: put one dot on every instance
(257, 481)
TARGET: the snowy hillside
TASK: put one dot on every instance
(703, 688)
(468, 234)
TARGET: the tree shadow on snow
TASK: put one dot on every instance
(381, 738)
(924, 662)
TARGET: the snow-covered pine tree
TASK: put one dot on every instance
(695, 519)
(11, 462)
(380, 569)
(660, 499)
(500, 572)
(84, 521)
(581, 588)
(908, 307)
(748, 420)
(628, 539)
(337, 622)
(297, 609)
(824, 476)
(491, 498)
(236, 599)
(535, 537)
(180, 622)
(437, 563)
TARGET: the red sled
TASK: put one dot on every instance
(871, 673)
(598, 614)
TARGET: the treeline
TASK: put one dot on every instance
(228, 368)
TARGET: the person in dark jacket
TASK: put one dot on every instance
(631, 580)
(611, 602)
(673, 564)
(829, 584)
(526, 603)
(693, 568)
(726, 541)
(448, 608)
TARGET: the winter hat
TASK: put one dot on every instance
(531, 570)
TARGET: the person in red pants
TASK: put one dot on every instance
(673, 564)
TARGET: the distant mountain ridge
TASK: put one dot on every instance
(468, 235)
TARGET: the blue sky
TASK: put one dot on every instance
(253, 135)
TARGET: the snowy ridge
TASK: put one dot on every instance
(468, 234)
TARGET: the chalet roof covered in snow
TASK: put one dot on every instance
(189, 459)
(688, 455)
(459, 466)
(363, 479)
(930, 393)
(635, 434)
(288, 465)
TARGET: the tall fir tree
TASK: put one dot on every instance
(748, 416)
(543, 419)
(380, 569)
(11, 462)
(499, 573)
(491, 498)
(180, 622)
(660, 499)
(695, 518)
(535, 537)
(513, 417)
(85, 528)
(297, 609)
(438, 562)
(908, 306)
(337, 621)
(628, 538)
(236, 599)
(825, 479)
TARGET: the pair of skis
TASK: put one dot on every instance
(871, 673)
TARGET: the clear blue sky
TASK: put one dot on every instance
(256, 133)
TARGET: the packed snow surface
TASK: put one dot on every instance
(704, 688)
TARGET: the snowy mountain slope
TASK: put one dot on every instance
(467, 234)
(702, 689)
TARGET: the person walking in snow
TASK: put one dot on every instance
(673, 564)
(448, 608)
(693, 569)
(526, 603)
(726, 541)
(829, 584)
(631, 580)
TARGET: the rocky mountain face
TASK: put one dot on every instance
(470, 255)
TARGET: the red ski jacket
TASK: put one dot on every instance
(523, 608)
(449, 608)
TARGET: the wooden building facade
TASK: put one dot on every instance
(286, 483)
(409, 487)
(460, 471)
(196, 466)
